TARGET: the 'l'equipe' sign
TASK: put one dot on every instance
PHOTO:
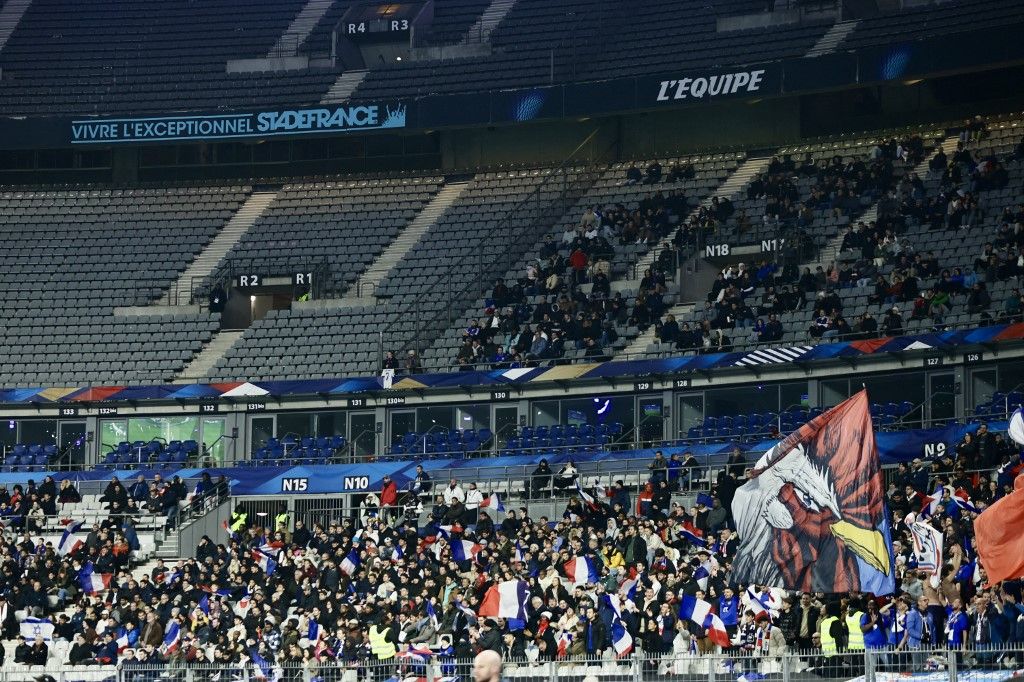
(716, 85)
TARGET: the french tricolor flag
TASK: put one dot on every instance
(464, 550)
(963, 500)
(507, 599)
(92, 582)
(760, 603)
(622, 641)
(581, 570)
(314, 632)
(518, 554)
(265, 561)
(69, 541)
(701, 575)
(122, 642)
(699, 611)
(350, 564)
(492, 501)
(693, 534)
(564, 641)
(172, 638)
(930, 503)
(585, 496)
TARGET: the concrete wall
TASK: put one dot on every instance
(711, 127)
(522, 144)
(691, 130)
(210, 525)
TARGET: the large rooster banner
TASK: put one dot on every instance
(812, 515)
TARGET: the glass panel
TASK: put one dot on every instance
(752, 399)
(9, 434)
(690, 413)
(983, 385)
(213, 429)
(941, 401)
(262, 431)
(434, 419)
(834, 392)
(402, 422)
(298, 424)
(651, 424)
(72, 442)
(473, 417)
(38, 431)
(330, 424)
(363, 430)
(895, 388)
(545, 413)
(794, 394)
(600, 410)
(112, 432)
(1011, 376)
(506, 421)
(163, 428)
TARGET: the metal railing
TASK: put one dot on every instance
(747, 345)
(979, 664)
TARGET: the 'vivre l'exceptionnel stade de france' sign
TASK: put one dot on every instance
(317, 120)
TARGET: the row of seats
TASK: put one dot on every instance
(139, 454)
(563, 439)
(34, 457)
(298, 450)
(441, 442)
(1001, 405)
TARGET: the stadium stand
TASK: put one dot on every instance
(52, 50)
(600, 522)
(72, 59)
(290, 344)
(302, 342)
(74, 256)
(343, 224)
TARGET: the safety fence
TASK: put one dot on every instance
(973, 664)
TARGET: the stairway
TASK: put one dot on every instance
(10, 16)
(204, 360)
(830, 252)
(300, 28)
(480, 31)
(736, 181)
(343, 87)
(367, 284)
(833, 38)
(180, 292)
(638, 346)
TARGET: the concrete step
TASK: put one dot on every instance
(10, 17)
(206, 262)
(343, 87)
(639, 345)
(300, 28)
(830, 252)
(205, 359)
(365, 288)
(480, 31)
(736, 181)
(833, 38)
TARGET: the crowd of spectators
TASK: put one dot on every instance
(380, 589)
(517, 330)
(746, 300)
